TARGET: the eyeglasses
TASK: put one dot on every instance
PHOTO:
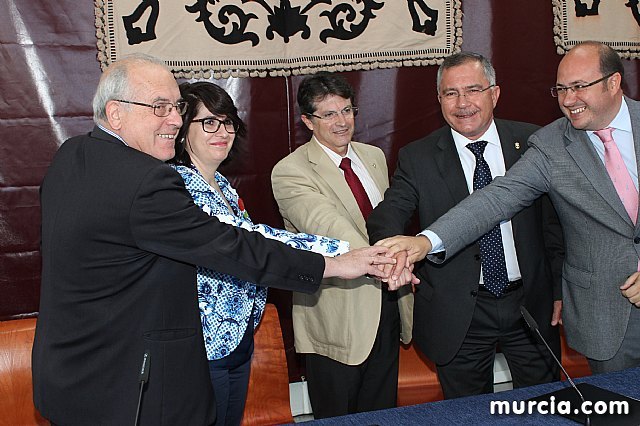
(452, 95)
(347, 112)
(161, 109)
(212, 125)
(576, 88)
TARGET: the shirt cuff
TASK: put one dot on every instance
(436, 242)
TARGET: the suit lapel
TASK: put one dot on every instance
(375, 170)
(327, 170)
(512, 148)
(450, 168)
(580, 148)
(634, 113)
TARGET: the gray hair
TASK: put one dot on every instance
(462, 58)
(115, 84)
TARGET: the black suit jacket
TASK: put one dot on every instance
(120, 238)
(429, 178)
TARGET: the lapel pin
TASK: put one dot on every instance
(517, 145)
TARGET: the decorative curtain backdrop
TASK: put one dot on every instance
(278, 37)
(616, 23)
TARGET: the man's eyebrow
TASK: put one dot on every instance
(471, 86)
(161, 100)
(573, 83)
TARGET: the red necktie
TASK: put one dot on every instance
(356, 188)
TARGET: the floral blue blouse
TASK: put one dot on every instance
(226, 303)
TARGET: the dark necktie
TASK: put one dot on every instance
(494, 266)
(356, 187)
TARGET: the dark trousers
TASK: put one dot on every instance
(336, 389)
(230, 380)
(496, 322)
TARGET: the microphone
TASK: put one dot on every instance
(533, 325)
(144, 377)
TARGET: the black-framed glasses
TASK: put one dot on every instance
(576, 88)
(451, 95)
(212, 124)
(161, 109)
(346, 112)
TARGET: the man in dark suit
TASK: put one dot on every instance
(120, 238)
(587, 162)
(460, 316)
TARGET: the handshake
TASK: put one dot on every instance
(390, 260)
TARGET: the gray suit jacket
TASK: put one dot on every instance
(602, 244)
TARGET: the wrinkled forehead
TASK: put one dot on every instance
(464, 76)
(153, 83)
(331, 102)
(580, 65)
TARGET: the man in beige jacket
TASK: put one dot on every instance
(349, 329)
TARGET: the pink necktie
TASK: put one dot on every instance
(619, 174)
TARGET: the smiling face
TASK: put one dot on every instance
(594, 107)
(208, 150)
(469, 116)
(137, 125)
(334, 133)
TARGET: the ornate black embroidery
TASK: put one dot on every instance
(428, 26)
(287, 21)
(583, 10)
(135, 34)
(338, 29)
(237, 34)
(346, 22)
(633, 4)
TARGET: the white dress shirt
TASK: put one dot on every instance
(623, 138)
(494, 157)
(359, 169)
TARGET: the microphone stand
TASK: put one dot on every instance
(144, 377)
(533, 325)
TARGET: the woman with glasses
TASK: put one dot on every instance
(230, 308)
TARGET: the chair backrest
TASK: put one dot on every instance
(16, 391)
(417, 378)
(574, 362)
(268, 395)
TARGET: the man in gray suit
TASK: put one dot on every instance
(592, 183)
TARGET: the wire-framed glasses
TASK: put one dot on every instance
(161, 109)
(212, 124)
(472, 93)
(576, 88)
(346, 112)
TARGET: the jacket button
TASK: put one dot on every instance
(636, 240)
(476, 257)
(474, 293)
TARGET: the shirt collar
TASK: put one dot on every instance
(335, 157)
(622, 120)
(104, 129)
(490, 136)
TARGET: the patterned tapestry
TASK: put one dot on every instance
(200, 38)
(614, 22)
